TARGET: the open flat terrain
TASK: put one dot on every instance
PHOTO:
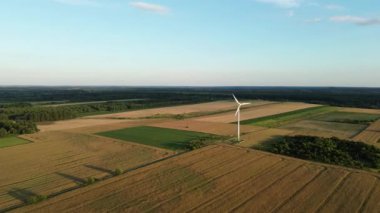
(215, 178)
(57, 161)
(211, 107)
(226, 178)
(256, 112)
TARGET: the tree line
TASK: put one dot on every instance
(328, 150)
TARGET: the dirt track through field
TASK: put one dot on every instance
(222, 178)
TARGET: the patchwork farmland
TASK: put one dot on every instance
(57, 161)
(226, 178)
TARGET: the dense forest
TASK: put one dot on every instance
(26, 105)
(328, 150)
(350, 97)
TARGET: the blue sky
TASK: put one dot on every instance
(190, 42)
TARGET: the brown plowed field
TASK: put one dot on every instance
(206, 127)
(256, 112)
(224, 178)
(183, 109)
(57, 161)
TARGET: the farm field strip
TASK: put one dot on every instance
(49, 156)
(325, 129)
(173, 180)
(372, 201)
(288, 185)
(357, 187)
(120, 181)
(314, 193)
(223, 184)
(168, 194)
(370, 135)
(281, 119)
(249, 188)
(224, 177)
(257, 112)
(165, 138)
(177, 110)
(226, 188)
(206, 127)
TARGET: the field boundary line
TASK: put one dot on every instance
(265, 188)
(202, 184)
(338, 186)
(254, 177)
(299, 190)
(365, 201)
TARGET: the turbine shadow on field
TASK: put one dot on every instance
(21, 194)
(99, 169)
(77, 180)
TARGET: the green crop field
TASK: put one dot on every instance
(348, 117)
(12, 141)
(288, 117)
(153, 136)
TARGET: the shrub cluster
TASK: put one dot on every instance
(329, 150)
(36, 199)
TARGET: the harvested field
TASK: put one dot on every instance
(256, 112)
(76, 123)
(371, 135)
(260, 137)
(207, 127)
(325, 129)
(57, 161)
(210, 107)
(225, 178)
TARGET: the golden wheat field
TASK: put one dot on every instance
(58, 160)
(226, 178)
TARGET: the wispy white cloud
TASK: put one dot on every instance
(282, 3)
(290, 13)
(156, 8)
(361, 21)
(335, 7)
(92, 3)
(313, 20)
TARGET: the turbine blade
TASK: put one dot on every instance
(245, 104)
(236, 99)
(237, 111)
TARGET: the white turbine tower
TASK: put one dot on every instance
(238, 114)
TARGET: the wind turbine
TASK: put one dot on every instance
(238, 114)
